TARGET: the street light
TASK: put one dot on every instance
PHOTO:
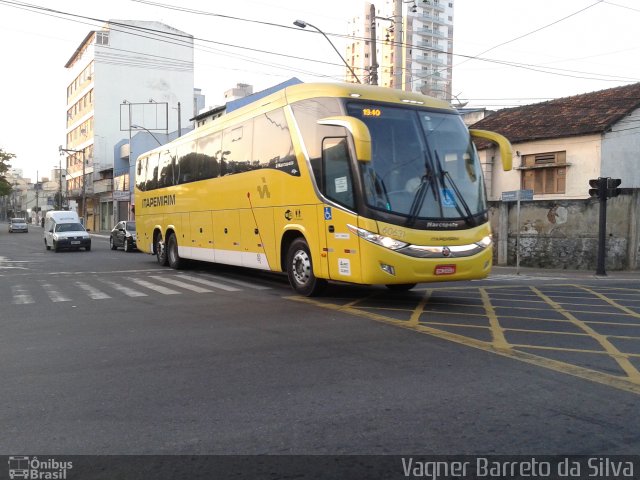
(139, 127)
(84, 190)
(303, 24)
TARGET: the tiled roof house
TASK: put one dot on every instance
(560, 144)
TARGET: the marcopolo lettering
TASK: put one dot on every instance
(159, 201)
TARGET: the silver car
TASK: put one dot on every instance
(18, 225)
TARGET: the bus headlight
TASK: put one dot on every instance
(485, 242)
(386, 242)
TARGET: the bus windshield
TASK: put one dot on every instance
(423, 164)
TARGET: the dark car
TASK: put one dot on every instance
(123, 235)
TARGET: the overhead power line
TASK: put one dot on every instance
(184, 39)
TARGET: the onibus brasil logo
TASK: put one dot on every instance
(36, 469)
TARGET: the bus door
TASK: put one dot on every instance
(341, 245)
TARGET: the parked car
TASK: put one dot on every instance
(123, 235)
(18, 225)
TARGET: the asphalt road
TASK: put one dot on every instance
(105, 352)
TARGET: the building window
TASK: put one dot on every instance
(102, 38)
(544, 172)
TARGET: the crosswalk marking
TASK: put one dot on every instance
(129, 292)
(153, 286)
(21, 295)
(102, 288)
(54, 295)
(221, 286)
(178, 283)
(93, 292)
(240, 282)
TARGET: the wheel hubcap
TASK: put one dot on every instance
(301, 267)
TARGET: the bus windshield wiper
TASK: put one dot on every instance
(444, 174)
(425, 182)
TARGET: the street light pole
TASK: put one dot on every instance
(139, 127)
(303, 24)
(84, 189)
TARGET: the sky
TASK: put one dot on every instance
(506, 53)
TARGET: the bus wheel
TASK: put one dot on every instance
(400, 287)
(300, 270)
(161, 251)
(172, 252)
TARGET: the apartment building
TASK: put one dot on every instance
(125, 77)
(423, 35)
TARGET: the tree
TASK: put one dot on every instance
(5, 186)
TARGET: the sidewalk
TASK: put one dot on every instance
(498, 270)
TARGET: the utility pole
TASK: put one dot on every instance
(397, 42)
(373, 68)
(36, 190)
(179, 121)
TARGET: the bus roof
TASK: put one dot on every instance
(293, 93)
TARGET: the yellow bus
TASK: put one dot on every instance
(324, 181)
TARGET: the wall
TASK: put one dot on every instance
(583, 157)
(563, 234)
(621, 151)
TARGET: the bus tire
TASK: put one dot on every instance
(161, 251)
(172, 252)
(300, 270)
(400, 287)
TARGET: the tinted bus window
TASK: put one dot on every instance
(272, 146)
(237, 149)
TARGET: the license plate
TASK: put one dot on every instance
(445, 270)
(75, 242)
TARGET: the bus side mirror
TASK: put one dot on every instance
(505, 146)
(358, 130)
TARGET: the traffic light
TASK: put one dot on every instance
(598, 186)
(604, 187)
(612, 187)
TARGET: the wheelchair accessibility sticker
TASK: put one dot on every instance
(448, 198)
(327, 213)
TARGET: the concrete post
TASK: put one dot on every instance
(633, 247)
(503, 233)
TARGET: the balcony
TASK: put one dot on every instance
(104, 185)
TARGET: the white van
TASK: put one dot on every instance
(62, 229)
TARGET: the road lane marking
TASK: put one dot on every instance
(239, 282)
(54, 294)
(178, 283)
(616, 354)
(497, 333)
(621, 383)
(21, 295)
(417, 312)
(93, 292)
(129, 292)
(154, 287)
(611, 302)
(221, 286)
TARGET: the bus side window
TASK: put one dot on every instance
(336, 174)
(140, 180)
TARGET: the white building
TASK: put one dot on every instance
(127, 73)
(425, 33)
